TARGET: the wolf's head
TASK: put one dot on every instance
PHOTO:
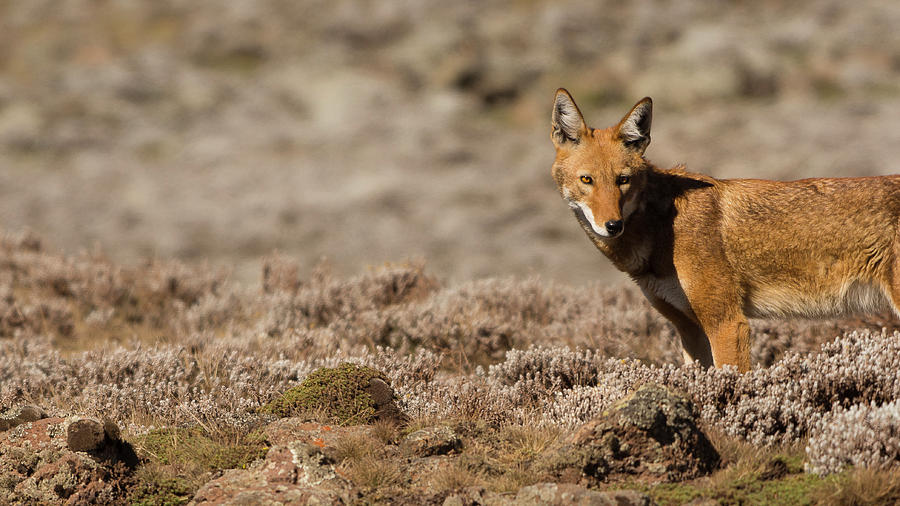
(600, 172)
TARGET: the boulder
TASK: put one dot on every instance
(19, 415)
(561, 494)
(651, 434)
(85, 434)
(548, 494)
(294, 473)
(439, 440)
(349, 394)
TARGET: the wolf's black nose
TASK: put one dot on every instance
(614, 227)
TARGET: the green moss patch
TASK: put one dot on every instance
(339, 394)
(793, 489)
(168, 491)
(788, 486)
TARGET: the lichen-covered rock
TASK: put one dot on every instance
(295, 473)
(439, 440)
(651, 434)
(547, 494)
(37, 464)
(562, 494)
(299, 431)
(349, 394)
(19, 415)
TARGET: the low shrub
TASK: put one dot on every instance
(864, 436)
(339, 394)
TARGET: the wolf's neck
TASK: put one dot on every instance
(631, 253)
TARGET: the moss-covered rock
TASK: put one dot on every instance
(349, 394)
(651, 434)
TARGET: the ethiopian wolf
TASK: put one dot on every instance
(710, 253)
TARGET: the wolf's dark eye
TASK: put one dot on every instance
(623, 179)
(587, 180)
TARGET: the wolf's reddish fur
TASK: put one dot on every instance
(709, 253)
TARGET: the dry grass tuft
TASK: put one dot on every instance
(743, 462)
(456, 474)
(353, 447)
(859, 487)
(385, 432)
(373, 473)
(523, 443)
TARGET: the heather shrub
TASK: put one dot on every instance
(863, 435)
(324, 300)
(478, 322)
(173, 345)
(76, 298)
(563, 387)
(765, 406)
(781, 403)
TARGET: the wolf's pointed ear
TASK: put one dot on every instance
(634, 129)
(568, 124)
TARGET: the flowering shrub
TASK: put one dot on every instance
(166, 344)
(863, 435)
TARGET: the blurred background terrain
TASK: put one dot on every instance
(367, 131)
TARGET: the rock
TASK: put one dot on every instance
(548, 494)
(384, 398)
(439, 440)
(295, 473)
(471, 496)
(37, 464)
(20, 415)
(299, 430)
(85, 434)
(349, 394)
(651, 434)
(566, 493)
